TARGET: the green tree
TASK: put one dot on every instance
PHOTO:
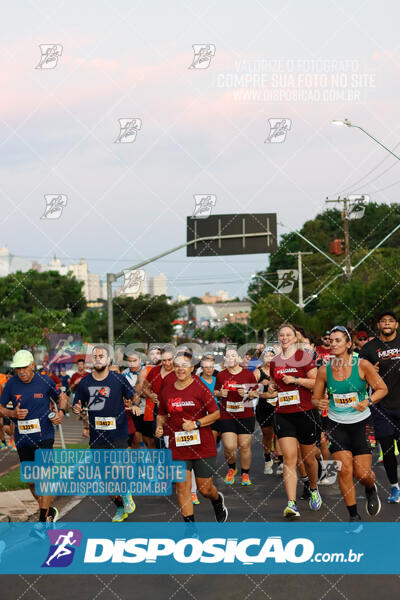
(143, 319)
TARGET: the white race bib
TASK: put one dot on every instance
(105, 423)
(187, 438)
(345, 400)
(289, 398)
(32, 426)
(235, 407)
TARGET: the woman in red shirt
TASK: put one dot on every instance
(295, 421)
(233, 387)
(186, 410)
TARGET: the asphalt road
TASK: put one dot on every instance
(262, 502)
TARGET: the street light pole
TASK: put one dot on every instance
(111, 277)
(348, 123)
(300, 270)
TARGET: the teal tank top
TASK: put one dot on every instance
(344, 394)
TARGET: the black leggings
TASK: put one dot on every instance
(389, 458)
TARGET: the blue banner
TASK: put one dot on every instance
(163, 548)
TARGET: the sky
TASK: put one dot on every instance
(202, 130)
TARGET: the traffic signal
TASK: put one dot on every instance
(336, 247)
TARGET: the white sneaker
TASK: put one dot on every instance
(268, 467)
(279, 470)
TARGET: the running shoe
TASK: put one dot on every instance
(355, 525)
(394, 497)
(230, 476)
(246, 479)
(129, 504)
(54, 516)
(3, 446)
(373, 504)
(195, 499)
(315, 501)
(221, 512)
(39, 530)
(268, 467)
(306, 495)
(120, 515)
(279, 470)
(291, 510)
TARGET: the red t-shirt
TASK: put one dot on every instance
(297, 365)
(156, 380)
(76, 378)
(192, 403)
(323, 352)
(234, 406)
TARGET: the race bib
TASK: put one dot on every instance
(187, 438)
(289, 398)
(105, 423)
(32, 426)
(235, 407)
(345, 400)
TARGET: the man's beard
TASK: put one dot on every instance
(386, 333)
(99, 368)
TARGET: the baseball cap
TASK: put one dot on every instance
(22, 358)
(361, 334)
(386, 313)
(269, 349)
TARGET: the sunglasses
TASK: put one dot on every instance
(362, 339)
(342, 329)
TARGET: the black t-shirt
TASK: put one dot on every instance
(388, 356)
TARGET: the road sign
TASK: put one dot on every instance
(236, 224)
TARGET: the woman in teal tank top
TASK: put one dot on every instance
(341, 387)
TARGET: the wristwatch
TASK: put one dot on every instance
(198, 424)
(370, 403)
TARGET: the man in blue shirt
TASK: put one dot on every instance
(30, 394)
(103, 393)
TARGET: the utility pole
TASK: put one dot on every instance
(345, 218)
(300, 269)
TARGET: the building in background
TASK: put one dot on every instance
(9, 263)
(220, 296)
(158, 285)
(92, 287)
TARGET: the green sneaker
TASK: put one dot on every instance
(291, 511)
(129, 504)
(120, 515)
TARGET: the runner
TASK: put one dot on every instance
(186, 410)
(209, 377)
(295, 419)
(154, 356)
(384, 352)
(31, 394)
(237, 415)
(136, 374)
(3, 443)
(345, 377)
(103, 392)
(152, 386)
(324, 349)
(265, 408)
(73, 384)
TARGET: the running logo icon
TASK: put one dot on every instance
(278, 129)
(128, 129)
(50, 54)
(62, 547)
(98, 397)
(55, 204)
(203, 54)
(203, 205)
(134, 281)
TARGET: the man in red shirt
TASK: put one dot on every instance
(235, 387)
(324, 349)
